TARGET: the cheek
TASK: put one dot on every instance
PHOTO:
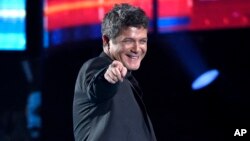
(116, 51)
(144, 49)
(121, 50)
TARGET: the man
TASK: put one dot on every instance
(107, 102)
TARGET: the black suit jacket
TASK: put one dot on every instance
(108, 112)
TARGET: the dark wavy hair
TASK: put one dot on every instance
(121, 16)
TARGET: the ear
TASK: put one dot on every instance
(105, 40)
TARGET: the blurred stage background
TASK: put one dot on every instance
(43, 44)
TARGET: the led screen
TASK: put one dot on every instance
(73, 20)
(176, 15)
(12, 25)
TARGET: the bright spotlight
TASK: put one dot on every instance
(205, 79)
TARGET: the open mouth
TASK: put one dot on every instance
(133, 56)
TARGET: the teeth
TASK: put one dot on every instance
(133, 57)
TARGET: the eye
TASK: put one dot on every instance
(128, 41)
(144, 41)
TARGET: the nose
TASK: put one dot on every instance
(136, 47)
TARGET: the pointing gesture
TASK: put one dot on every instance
(115, 72)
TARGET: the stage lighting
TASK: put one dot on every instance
(12, 25)
(205, 79)
(184, 48)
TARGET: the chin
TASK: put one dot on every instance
(133, 68)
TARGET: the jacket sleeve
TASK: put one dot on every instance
(97, 87)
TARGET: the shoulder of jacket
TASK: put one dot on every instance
(96, 62)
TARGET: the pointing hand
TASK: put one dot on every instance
(115, 72)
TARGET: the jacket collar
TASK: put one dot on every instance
(103, 54)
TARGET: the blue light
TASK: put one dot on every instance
(205, 79)
(173, 21)
(72, 34)
(12, 4)
(12, 41)
(34, 120)
(12, 25)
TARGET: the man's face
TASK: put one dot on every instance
(129, 47)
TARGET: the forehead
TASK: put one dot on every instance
(133, 32)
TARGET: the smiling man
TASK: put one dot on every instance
(107, 102)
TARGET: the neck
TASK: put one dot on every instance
(106, 51)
